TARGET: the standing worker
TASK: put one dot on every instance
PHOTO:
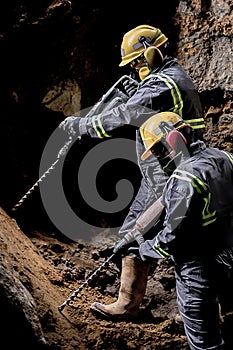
(197, 230)
(161, 85)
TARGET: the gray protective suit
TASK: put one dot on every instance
(167, 88)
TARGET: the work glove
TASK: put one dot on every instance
(70, 125)
(130, 86)
(128, 238)
(123, 243)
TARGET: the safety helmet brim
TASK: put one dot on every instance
(130, 57)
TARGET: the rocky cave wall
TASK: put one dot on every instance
(204, 48)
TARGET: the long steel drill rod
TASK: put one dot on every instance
(20, 202)
(62, 152)
(75, 293)
(65, 148)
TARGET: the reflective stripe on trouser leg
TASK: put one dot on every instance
(198, 307)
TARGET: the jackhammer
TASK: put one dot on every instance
(143, 223)
(100, 106)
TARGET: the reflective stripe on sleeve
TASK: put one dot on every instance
(197, 123)
(177, 92)
(98, 127)
(159, 250)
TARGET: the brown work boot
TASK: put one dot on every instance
(132, 290)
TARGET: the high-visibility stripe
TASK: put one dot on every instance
(99, 129)
(177, 91)
(173, 91)
(197, 123)
(102, 128)
(159, 250)
(192, 177)
(207, 216)
(95, 127)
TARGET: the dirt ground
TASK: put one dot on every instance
(52, 269)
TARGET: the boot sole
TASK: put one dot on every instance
(101, 314)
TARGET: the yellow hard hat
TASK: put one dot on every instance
(157, 127)
(132, 47)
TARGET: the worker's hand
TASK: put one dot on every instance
(123, 243)
(146, 251)
(70, 125)
(120, 246)
(130, 86)
(225, 258)
(129, 237)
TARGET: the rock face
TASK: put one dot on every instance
(205, 50)
(18, 308)
(57, 58)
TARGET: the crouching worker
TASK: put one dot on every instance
(197, 228)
